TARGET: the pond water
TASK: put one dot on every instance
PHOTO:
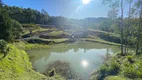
(83, 57)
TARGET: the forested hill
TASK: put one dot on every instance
(27, 15)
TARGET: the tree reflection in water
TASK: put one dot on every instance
(63, 69)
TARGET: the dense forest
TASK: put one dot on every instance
(28, 15)
(23, 24)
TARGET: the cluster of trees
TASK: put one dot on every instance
(12, 17)
(62, 22)
(130, 27)
(9, 28)
(27, 15)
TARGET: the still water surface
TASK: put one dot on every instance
(84, 57)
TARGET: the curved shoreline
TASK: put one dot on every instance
(67, 40)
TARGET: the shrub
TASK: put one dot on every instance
(4, 49)
(115, 78)
(17, 29)
(114, 68)
(133, 71)
(130, 59)
(107, 69)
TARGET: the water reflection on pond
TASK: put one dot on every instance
(84, 63)
(83, 57)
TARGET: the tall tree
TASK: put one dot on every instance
(127, 27)
(121, 5)
(1, 3)
(139, 6)
(45, 17)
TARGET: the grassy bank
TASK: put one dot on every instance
(47, 41)
(40, 41)
(27, 46)
(120, 67)
(100, 41)
(16, 66)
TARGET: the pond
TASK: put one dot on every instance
(83, 57)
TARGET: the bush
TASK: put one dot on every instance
(130, 59)
(133, 71)
(17, 29)
(4, 49)
(107, 69)
(114, 68)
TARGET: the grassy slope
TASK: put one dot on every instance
(115, 78)
(100, 41)
(130, 68)
(93, 36)
(16, 66)
(34, 31)
(28, 46)
(57, 33)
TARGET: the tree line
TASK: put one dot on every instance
(27, 15)
(130, 27)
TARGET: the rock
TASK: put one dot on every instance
(52, 73)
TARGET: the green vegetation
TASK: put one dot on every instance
(9, 28)
(28, 46)
(31, 27)
(16, 66)
(115, 78)
(128, 67)
(99, 41)
(29, 31)
(58, 33)
(110, 68)
(54, 34)
(4, 48)
(111, 37)
(27, 15)
(47, 41)
(18, 24)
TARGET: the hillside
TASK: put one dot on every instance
(16, 66)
